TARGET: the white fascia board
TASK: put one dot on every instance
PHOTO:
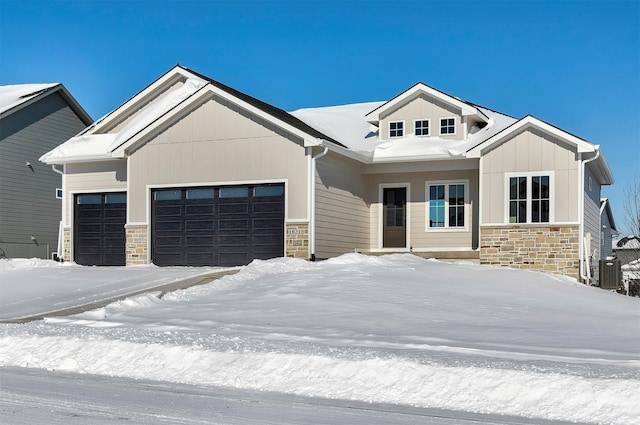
(374, 116)
(76, 159)
(209, 91)
(174, 74)
(531, 121)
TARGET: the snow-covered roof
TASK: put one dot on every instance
(17, 94)
(101, 146)
(348, 125)
(628, 242)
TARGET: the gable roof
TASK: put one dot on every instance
(18, 96)
(604, 203)
(158, 104)
(418, 88)
(582, 146)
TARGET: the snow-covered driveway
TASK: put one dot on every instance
(394, 329)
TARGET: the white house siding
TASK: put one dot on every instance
(92, 177)
(592, 224)
(531, 151)
(421, 238)
(28, 204)
(420, 108)
(342, 207)
(215, 144)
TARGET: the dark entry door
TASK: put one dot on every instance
(394, 220)
(99, 234)
(217, 226)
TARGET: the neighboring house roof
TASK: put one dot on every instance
(99, 142)
(18, 96)
(604, 203)
(628, 242)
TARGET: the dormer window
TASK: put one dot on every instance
(396, 129)
(447, 126)
(422, 127)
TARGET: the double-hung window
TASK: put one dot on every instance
(447, 126)
(396, 129)
(421, 127)
(446, 203)
(530, 198)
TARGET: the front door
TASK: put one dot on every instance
(394, 219)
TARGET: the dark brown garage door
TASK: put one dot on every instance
(217, 226)
(99, 236)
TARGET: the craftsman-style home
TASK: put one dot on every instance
(192, 172)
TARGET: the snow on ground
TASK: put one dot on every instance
(33, 286)
(393, 329)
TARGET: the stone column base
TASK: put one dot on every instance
(297, 240)
(137, 246)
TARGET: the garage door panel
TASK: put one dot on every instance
(99, 234)
(227, 225)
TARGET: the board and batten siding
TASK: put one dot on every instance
(420, 108)
(341, 207)
(219, 143)
(530, 151)
(28, 204)
(422, 238)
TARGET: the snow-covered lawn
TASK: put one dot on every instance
(392, 329)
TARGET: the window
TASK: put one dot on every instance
(205, 193)
(234, 192)
(446, 205)
(58, 193)
(422, 127)
(530, 199)
(396, 129)
(448, 126)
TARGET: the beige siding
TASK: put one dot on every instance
(342, 207)
(93, 177)
(218, 143)
(422, 238)
(530, 151)
(420, 108)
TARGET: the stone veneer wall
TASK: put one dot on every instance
(551, 249)
(137, 246)
(297, 240)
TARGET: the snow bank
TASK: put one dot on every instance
(396, 328)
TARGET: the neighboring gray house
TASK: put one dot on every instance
(627, 250)
(34, 118)
(190, 172)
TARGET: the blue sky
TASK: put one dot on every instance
(574, 64)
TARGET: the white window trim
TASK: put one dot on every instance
(404, 129)
(429, 127)
(528, 175)
(381, 188)
(455, 126)
(467, 206)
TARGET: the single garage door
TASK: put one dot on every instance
(99, 235)
(217, 226)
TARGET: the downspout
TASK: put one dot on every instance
(312, 206)
(60, 225)
(585, 273)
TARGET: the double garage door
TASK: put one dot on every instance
(201, 226)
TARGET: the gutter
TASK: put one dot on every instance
(312, 201)
(585, 272)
